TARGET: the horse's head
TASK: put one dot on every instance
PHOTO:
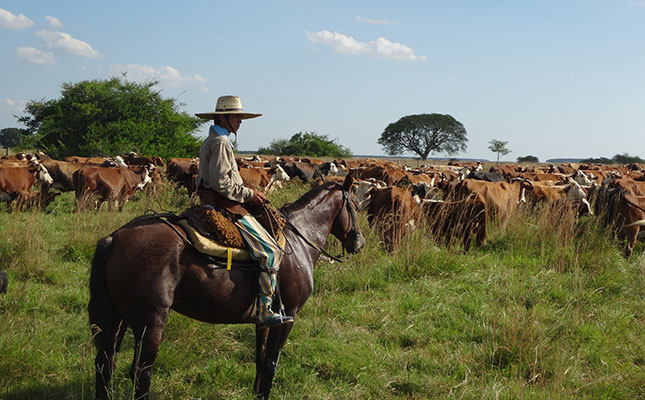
(345, 227)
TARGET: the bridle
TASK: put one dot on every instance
(352, 212)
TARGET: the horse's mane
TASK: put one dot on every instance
(307, 197)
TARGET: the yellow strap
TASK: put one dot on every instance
(229, 257)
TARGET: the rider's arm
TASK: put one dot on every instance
(224, 176)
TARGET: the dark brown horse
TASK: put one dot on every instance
(144, 269)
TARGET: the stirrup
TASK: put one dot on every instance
(275, 320)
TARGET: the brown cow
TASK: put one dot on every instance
(624, 212)
(19, 157)
(616, 180)
(413, 178)
(500, 198)
(98, 161)
(114, 185)
(552, 178)
(263, 178)
(386, 174)
(452, 220)
(183, 172)
(62, 173)
(392, 211)
(14, 163)
(508, 171)
(244, 163)
(142, 161)
(631, 211)
(15, 181)
(570, 193)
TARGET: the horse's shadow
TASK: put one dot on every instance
(74, 390)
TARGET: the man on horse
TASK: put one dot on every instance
(221, 186)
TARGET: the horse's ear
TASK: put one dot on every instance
(349, 180)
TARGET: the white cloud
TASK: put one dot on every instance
(35, 56)
(381, 47)
(205, 89)
(167, 76)
(65, 42)
(10, 21)
(12, 106)
(373, 21)
(53, 21)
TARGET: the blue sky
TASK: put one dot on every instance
(561, 78)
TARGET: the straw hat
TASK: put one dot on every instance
(228, 105)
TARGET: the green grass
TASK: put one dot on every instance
(547, 309)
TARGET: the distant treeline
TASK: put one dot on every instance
(617, 159)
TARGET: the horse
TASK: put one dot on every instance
(145, 268)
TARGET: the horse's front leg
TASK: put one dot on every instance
(261, 335)
(277, 336)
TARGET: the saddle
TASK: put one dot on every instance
(215, 234)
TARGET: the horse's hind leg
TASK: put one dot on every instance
(104, 361)
(146, 348)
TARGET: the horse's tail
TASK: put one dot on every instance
(105, 318)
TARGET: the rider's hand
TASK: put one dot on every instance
(258, 198)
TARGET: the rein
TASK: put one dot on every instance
(314, 245)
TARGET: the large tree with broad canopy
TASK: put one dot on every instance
(110, 117)
(424, 134)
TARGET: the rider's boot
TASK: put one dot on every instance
(266, 316)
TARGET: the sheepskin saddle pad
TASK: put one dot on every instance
(214, 234)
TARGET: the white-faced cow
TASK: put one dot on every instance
(16, 181)
(113, 185)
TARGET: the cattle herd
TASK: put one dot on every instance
(454, 201)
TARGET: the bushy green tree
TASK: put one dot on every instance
(308, 144)
(528, 159)
(11, 137)
(110, 117)
(627, 159)
(424, 134)
(617, 159)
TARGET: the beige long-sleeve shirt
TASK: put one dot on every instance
(218, 169)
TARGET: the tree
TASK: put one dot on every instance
(11, 137)
(599, 160)
(108, 117)
(499, 147)
(424, 134)
(626, 159)
(617, 159)
(528, 159)
(306, 144)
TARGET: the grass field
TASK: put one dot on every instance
(547, 309)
